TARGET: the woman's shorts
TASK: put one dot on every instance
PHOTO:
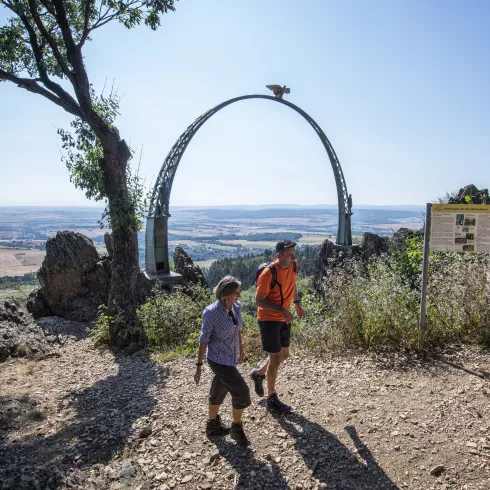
(227, 379)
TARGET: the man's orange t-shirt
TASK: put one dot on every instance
(287, 279)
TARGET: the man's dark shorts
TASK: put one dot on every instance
(227, 379)
(275, 335)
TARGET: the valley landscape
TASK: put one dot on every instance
(206, 233)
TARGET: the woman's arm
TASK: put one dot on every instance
(241, 356)
(206, 330)
(200, 357)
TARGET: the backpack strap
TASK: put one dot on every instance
(273, 270)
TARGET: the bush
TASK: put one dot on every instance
(173, 321)
(458, 299)
(376, 305)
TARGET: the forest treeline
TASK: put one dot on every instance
(244, 268)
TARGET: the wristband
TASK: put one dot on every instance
(198, 363)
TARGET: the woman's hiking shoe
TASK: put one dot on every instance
(214, 428)
(238, 434)
(258, 380)
(276, 405)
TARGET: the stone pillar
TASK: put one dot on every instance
(156, 259)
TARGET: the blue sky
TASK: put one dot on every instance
(400, 89)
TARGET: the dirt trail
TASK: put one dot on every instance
(89, 420)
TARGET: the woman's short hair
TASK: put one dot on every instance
(226, 286)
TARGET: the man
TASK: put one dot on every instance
(275, 317)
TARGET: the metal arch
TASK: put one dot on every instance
(158, 213)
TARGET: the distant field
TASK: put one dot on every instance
(21, 293)
(204, 263)
(17, 262)
(312, 239)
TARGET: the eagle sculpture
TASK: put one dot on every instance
(279, 91)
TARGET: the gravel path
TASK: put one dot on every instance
(87, 419)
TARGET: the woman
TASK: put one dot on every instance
(221, 335)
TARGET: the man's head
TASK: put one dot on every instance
(285, 252)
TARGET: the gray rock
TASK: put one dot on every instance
(109, 244)
(124, 469)
(54, 326)
(374, 245)
(185, 266)
(36, 305)
(145, 432)
(19, 335)
(476, 196)
(437, 470)
(74, 280)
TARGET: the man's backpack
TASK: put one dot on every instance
(272, 268)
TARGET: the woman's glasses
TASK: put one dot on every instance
(233, 319)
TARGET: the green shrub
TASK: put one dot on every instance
(173, 321)
(99, 333)
(458, 299)
(375, 305)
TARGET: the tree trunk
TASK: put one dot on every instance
(125, 261)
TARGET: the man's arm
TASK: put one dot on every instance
(263, 302)
(297, 305)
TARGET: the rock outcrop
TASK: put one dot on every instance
(374, 245)
(19, 335)
(475, 196)
(185, 266)
(74, 279)
(109, 244)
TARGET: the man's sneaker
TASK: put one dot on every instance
(238, 434)
(276, 405)
(258, 380)
(214, 428)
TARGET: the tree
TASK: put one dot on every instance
(41, 46)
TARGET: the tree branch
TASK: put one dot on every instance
(80, 81)
(86, 30)
(54, 87)
(31, 85)
(52, 44)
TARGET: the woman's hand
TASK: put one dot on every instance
(197, 376)
(241, 356)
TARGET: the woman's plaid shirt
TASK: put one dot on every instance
(221, 333)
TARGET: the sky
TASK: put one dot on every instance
(399, 88)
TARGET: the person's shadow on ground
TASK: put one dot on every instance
(250, 472)
(330, 461)
(101, 426)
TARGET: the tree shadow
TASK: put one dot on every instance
(16, 411)
(100, 425)
(332, 463)
(244, 463)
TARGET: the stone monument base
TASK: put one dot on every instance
(166, 277)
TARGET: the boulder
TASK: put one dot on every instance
(374, 245)
(330, 256)
(36, 305)
(19, 335)
(74, 279)
(109, 243)
(185, 266)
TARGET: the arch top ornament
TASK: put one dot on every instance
(156, 256)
